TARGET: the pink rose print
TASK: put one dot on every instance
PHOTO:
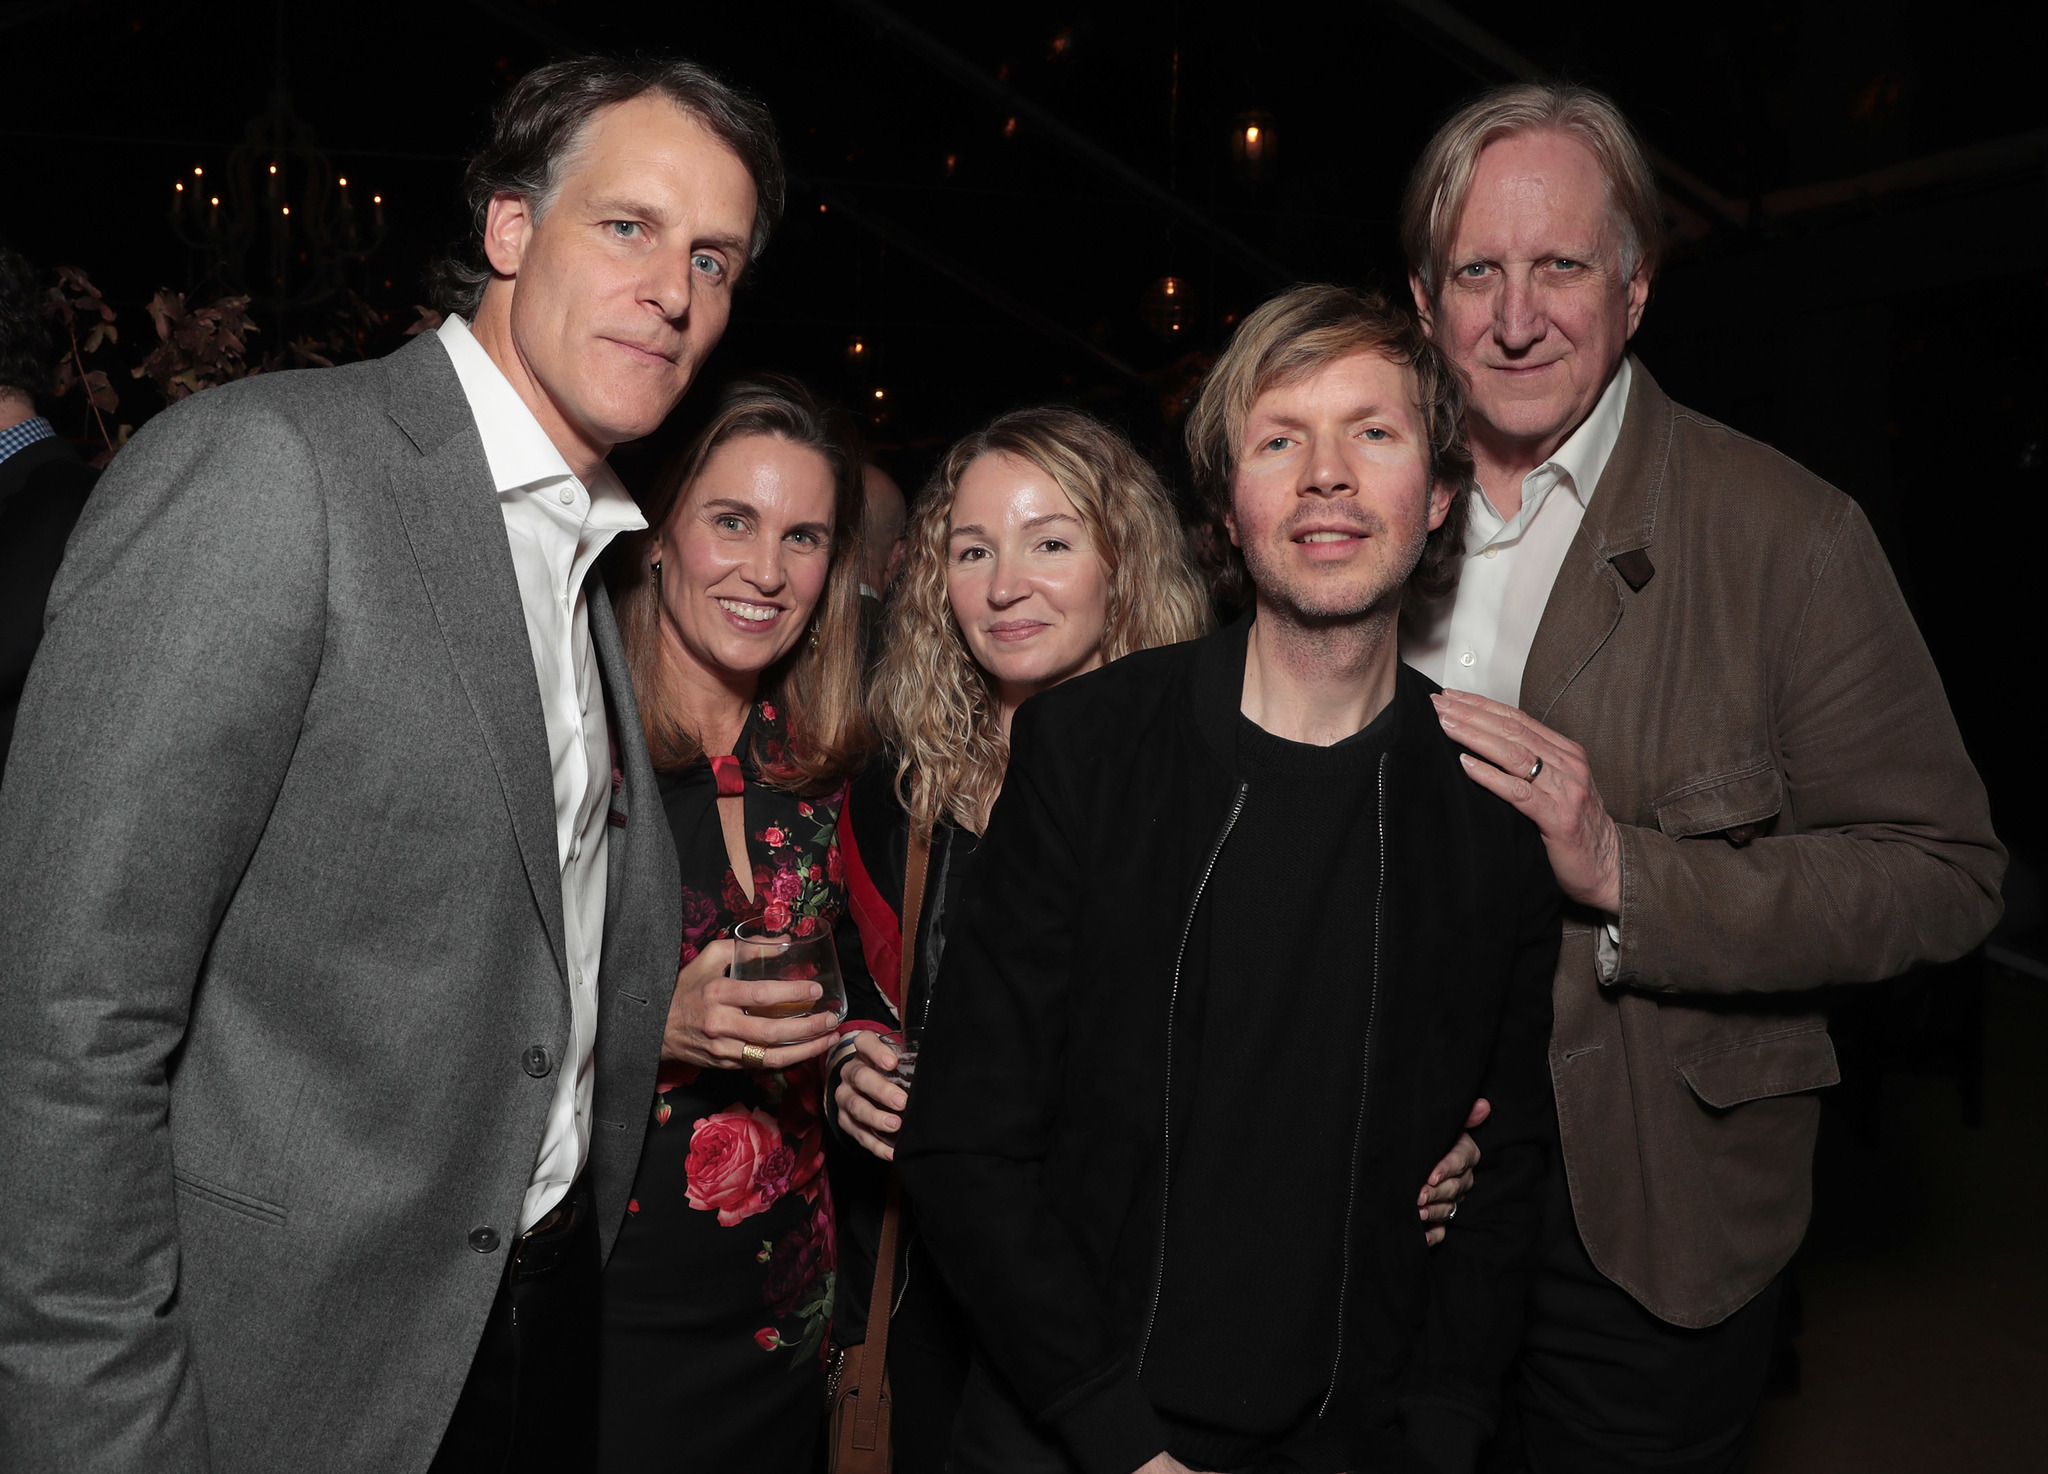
(773, 837)
(768, 711)
(632, 1205)
(775, 916)
(835, 868)
(737, 1165)
(787, 886)
(768, 1338)
(803, 808)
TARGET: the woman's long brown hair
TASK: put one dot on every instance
(818, 683)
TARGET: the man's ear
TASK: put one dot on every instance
(1638, 297)
(508, 226)
(1439, 504)
(1230, 527)
(1421, 303)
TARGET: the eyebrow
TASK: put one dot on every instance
(975, 529)
(619, 208)
(748, 509)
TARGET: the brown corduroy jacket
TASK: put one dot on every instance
(1795, 806)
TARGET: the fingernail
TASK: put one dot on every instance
(1467, 759)
(817, 991)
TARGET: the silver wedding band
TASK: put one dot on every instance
(1454, 1207)
(1534, 771)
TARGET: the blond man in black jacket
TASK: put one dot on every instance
(1244, 945)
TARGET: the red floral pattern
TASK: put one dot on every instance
(770, 1145)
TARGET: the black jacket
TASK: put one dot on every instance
(1034, 1142)
(43, 488)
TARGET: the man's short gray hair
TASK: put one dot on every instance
(1443, 175)
(535, 131)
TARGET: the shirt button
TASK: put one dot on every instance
(1467, 658)
(484, 1239)
(536, 1062)
(1493, 552)
(567, 494)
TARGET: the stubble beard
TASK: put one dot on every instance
(1336, 624)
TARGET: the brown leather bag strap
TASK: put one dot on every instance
(914, 867)
(874, 1365)
(874, 1361)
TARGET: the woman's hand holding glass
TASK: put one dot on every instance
(870, 1102)
(708, 1024)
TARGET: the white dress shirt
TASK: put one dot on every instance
(557, 526)
(1478, 639)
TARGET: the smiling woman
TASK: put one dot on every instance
(739, 609)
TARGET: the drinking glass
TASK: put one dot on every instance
(801, 952)
(905, 1049)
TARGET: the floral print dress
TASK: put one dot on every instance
(718, 1294)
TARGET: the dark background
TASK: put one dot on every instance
(1858, 270)
(1857, 273)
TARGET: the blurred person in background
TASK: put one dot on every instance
(43, 480)
(1687, 661)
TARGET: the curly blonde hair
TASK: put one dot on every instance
(931, 703)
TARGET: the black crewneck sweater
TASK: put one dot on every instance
(1280, 959)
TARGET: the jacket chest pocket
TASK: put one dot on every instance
(1736, 804)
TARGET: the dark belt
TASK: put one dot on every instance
(546, 1247)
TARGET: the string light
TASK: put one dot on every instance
(273, 168)
(197, 170)
(215, 200)
(344, 181)
(181, 186)
(376, 199)
(287, 209)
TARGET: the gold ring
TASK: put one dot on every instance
(753, 1056)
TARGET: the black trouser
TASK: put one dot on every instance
(530, 1403)
(1604, 1387)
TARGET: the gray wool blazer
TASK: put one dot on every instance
(282, 912)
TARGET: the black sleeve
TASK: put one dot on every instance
(1479, 1275)
(980, 1123)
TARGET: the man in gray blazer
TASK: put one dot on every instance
(342, 915)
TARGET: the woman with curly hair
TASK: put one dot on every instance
(1043, 547)
(740, 613)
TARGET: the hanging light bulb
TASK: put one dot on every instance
(1252, 145)
(857, 352)
(1168, 307)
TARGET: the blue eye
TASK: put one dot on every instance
(626, 230)
(708, 264)
(1376, 434)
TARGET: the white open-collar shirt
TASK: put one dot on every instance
(557, 525)
(1478, 639)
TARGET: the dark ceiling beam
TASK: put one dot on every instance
(890, 233)
(945, 59)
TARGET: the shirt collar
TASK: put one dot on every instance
(1583, 456)
(20, 437)
(518, 451)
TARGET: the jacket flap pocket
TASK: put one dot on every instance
(1723, 801)
(1774, 1064)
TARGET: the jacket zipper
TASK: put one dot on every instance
(1372, 1003)
(1172, 1004)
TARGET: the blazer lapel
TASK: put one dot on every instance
(1588, 599)
(457, 534)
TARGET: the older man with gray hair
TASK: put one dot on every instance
(1686, 659)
